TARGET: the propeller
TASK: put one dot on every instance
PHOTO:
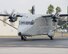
(12, 17)
(55, 16)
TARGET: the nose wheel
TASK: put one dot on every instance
(23, 38)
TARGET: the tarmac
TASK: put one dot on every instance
(31, 50)
(34, 45)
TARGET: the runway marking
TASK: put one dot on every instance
(7, 45)
(44, 46)
(22, 45)
(59, 45)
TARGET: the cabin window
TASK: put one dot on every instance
(27, 22)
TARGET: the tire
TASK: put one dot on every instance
(23, 38)
(51, 37)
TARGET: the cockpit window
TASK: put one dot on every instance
(27, 22)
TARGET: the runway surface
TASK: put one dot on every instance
(32, 50)
(60, 42)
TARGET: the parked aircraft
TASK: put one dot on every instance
(35, 24)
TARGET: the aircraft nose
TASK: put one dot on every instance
(19, 33)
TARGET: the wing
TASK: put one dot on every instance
(4, 15)
(10, 15)
(61, 15)
(45, 16)
(54, 17)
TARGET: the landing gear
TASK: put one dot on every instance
(51, 34)
(51, 37)
(23, 38)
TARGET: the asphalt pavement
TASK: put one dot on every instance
(32, 50)
(34, 45)
(43, 42)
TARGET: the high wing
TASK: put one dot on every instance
(12, 17)
(54, 17)
(4, 15)
(9, 15)
(60, 15)
(47, 16)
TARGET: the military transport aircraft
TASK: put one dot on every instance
(35, 24)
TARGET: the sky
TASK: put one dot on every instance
(23, 6)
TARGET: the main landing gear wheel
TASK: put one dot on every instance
(23, 38)
(51, 37)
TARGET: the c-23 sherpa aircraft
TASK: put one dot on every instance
(34, 24)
